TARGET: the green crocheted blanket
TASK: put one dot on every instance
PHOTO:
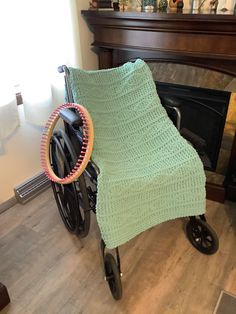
(148, 172)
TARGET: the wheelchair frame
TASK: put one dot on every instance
(77, 199)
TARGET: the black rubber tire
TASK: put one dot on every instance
(68, 197)
(113, 276)
(202, 236)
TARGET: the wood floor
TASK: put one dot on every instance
(47, 270)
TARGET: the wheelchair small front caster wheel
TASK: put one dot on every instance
(113, 276)
(202, 236)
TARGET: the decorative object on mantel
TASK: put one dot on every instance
(135, 5)
(149, 5)
(180, 5)
(195, 5)
(173, 4)
(116, 5)
(103, 5)
(214, 5)
(162, 6)
(123, 4)
(225, 5)
(176, 5)
(93, 4)
(201, 4)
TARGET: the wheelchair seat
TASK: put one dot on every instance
(148, 172)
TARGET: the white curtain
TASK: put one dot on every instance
(37, 37)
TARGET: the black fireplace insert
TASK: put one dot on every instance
(203, 115)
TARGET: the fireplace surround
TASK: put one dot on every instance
(206, 41)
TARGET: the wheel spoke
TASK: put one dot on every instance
(69, 192)
(207, 239)
(197, 234)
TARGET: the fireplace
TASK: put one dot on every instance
(203, 115)
(204, 41)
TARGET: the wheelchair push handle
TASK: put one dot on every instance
(71, 118)
(63, 69)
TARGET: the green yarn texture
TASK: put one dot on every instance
(148, 173)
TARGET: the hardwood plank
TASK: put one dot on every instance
(48, 270)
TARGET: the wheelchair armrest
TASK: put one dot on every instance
(172, 105)
(75, 122)
(71, 118)
(92, 168)
(170, 102)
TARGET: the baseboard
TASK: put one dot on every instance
(231, 192)
(8, 204)
(215, 192)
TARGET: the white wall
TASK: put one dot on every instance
(89, 58)
(20, 159)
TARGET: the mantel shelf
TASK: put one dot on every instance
(205, 40)
(185, 15)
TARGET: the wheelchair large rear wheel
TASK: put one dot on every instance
(113, 276)
(202, 236)
(72, 199)
(67, 203)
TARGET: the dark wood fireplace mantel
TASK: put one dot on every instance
(203, 40)
(206, 40)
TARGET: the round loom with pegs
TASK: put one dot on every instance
(86, 149)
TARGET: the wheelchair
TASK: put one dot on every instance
(77, 199)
